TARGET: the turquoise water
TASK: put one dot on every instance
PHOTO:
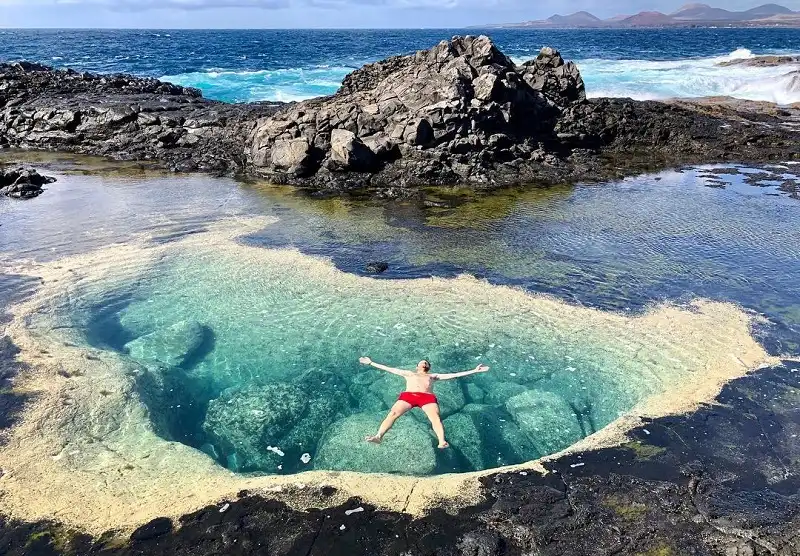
(247, 351)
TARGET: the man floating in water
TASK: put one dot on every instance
(419, 393)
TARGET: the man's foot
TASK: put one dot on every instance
(374, 439)
(443, 445)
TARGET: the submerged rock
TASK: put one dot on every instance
(243, 422)
(498, 393)
(504, 443)
(408, 449)
(172, 346)
(377, 267)
(22, 183)
(464, 436)
(262, 427)
(546, 419)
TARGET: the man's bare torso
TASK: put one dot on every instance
(417, 382)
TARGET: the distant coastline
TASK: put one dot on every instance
(687, 17)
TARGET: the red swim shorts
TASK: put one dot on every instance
(418, 399)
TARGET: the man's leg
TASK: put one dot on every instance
(398, 409)
(432, 411)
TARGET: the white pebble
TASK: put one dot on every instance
(357, 510)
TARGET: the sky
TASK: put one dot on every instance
(205, 14)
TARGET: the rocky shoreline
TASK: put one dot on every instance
(461, 113)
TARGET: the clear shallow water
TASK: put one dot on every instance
(242, 350)
(238, 66)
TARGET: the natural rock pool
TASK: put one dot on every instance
(229, 318)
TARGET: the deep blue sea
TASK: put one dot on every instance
(249, 65)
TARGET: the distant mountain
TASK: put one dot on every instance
(647, 19)
(767, 10)
(704, 12)
(690, 15)
(578, 19)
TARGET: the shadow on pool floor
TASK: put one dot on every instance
(722, 480)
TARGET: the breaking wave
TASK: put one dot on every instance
(698, 77)
(637, 79)
(283, 85)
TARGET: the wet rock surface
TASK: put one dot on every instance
(762, 61)
(22, 183)
(719, 481)
(121, 116)
(459, 113)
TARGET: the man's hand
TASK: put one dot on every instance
(481, 369)
(365, 361)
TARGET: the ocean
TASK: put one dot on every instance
(289, 65)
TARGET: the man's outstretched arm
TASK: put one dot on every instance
(451, 376)
(371, 363)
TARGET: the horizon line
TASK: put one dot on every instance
(487, 26)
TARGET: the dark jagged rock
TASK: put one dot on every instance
(121, 116)
(460, 113)
(445, 115)
(377, 267)
(761, 61)
(22, 183)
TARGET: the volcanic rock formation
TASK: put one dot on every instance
(461, 113)
(22, 183)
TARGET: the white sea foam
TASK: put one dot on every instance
(689, 78)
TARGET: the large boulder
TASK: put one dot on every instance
(498, 393)
(546, 418)
(407, 449)
(292, 156)
(348, 152)
(242, 423)
(173, 346)
(438, 107)
(271, 427)
(503, 441)
(559, 81)
(22, 183)
(464, 436)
